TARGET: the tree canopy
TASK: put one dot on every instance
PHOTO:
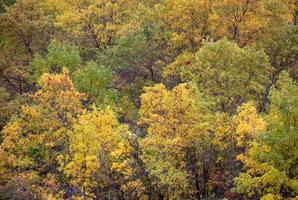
(148, 99)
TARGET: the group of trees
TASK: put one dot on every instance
(148, 99)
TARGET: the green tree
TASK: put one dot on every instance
(135, 61)
(282, 49)
(98, 82)
(231, 74)
(59, 55)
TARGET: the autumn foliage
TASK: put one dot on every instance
(148, 99)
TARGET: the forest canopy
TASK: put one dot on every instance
(148, 99)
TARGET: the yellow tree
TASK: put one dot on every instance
(247, 21)
(26, 28)
(247, 124)
(174, 149)
(185, 22)
(34, 138)
(235, 133)
(27, 23)
(96, 145)
(232, 136)
(100, 22)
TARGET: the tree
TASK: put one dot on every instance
(27, 23)
(92, 79)
(59, 55)
(135, 60)
(100, 23)
(9, 105)
(232, 136)
(283, 53)
(136, 55)
(98, 82)
(248, 124)
(231, 74)
(26, 29)
(184, 23)
(248, 21)
(178, 139)
(271, 160)
(4, 3)
(95, 138)
(33, 139)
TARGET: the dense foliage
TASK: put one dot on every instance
(148, 99)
